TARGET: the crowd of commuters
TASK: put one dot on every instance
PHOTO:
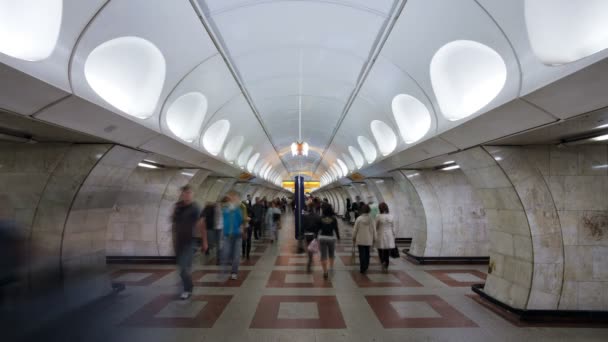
(226, 227)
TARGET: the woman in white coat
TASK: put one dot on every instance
(385, 235)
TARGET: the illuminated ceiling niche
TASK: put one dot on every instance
(349, 162)
(267, 172)
(357, 156)
(412, 117)
(369, 151)
(233, 147)
(564, 31)
(214, 137)
(342, 166)
(29, 29)
(252, 161)
(466, 76)
(128, 73)
(186, 115)
(338, 171)
(244, 156)
(385, 137)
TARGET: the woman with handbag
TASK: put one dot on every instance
(385, 231)
(327, 235)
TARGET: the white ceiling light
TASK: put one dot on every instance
(601, 126)
(233, 147)
(252, 161)
(412, 117)
(244, 156)
(466, 76)
(342, 166)
(369, 151)
(601, 138)
(451, 167)
(186, 115)
(349, 162)
(357, 156)
(564, 31)
(338, 171)
(267, 172)
(128, 73)
(385, 137)
(29, 29)
(214, 137)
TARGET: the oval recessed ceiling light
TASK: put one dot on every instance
(244, 156)
(357, 156)
(214, 137)
(233, 147)
(349, 162)
(369, 151)
(128, 73)
(186, 115)
(564, 31)
(29, 29)
(342, 166)
(385, 137)
(412, 116)
(466, 76)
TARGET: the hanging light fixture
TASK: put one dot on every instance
(299, 147)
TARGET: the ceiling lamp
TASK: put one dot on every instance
(299, 148)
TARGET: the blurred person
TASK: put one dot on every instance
(364, 234)
(233, 233)
(310, 225)
(373, 208)
(273, 221)
(257, 218)
(385, 235)
(212, 219)
(327, 234)
(248, 230)
(249, 204)
(185, 219)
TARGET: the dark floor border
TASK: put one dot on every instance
(464, 260)
(164, 260)
(571, 318)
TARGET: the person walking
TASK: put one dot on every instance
(246, 244)
(212, 220)
(185, 219)
(233, 233)
(327, 235)
(273, 220)
(310, 224)
(363, 237)
(385, 233)
(257, 218)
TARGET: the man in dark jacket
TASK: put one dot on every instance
(257, 218)
(310, 224)
(184, 220)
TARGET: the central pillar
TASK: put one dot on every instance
(299, 198)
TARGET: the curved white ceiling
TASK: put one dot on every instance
(29, 29)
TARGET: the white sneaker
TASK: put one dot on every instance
(185, 295)
(234, 276)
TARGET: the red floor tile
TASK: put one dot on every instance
(401, 279)
(244, 262)
(278, 279)
(155, 274)
(295, 260)
(215, 282)
(373, 260)
(428, 311)
(205, 318)
(444, 276)
(328, 314)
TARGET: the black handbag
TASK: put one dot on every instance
(394, 253)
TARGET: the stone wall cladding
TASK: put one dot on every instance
(413, 211)
(510, 251)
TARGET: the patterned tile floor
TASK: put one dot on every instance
(274, 299)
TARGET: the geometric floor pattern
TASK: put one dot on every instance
(276, 299)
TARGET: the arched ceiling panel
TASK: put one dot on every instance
(124, 18)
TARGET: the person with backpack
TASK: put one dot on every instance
(233, 233)
(185, 219)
